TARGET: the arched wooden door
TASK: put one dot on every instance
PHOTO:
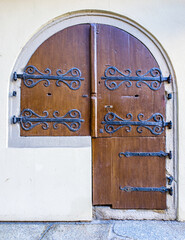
(99, 80)
(129, 155)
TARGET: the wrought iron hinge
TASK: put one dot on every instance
(155, 124)
(115, 78)
(146, 154)
(29, 119)
(147, 189)
(32, 76)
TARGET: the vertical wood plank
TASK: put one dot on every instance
(93, 53)
(102, 168)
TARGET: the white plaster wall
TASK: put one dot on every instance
(19, 21)
(51, 185)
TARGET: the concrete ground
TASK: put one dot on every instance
(96, 230)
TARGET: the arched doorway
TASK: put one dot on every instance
(103, 102)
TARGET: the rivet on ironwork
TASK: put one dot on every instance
(155, 124)
(146, 154)
(32, 76)
(114, 78)
(29, 119)
(147, 189)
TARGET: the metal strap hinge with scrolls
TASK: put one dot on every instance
(29, 119)
(153, 79)
(32, 76)
(155, 124)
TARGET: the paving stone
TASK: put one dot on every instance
(79, 231)
(96, 230)
(123, 238)
(150, 230)
(21, 231)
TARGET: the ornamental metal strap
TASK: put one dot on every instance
(146, 154)
(155, 124)
(114, 78)
(29, 119)
(32, 76)
(147, 189)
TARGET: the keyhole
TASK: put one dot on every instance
(136, 95)
(49, 94)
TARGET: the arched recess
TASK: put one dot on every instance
(163, 61)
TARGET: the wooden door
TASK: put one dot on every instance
(66, 100)
(135, 104)
(71, 86)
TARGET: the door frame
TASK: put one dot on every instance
(109, 18)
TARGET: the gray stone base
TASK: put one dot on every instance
(96, 230)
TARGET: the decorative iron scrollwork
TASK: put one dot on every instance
(32, 76)
(146, 154)
(147, 189)
(114, 78)
(29, 119)
(155, 124)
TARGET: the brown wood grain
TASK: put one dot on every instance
(138, 172)
(102, 168)
(92, 48)
(66, 49)
(120, 49)
(110, 172)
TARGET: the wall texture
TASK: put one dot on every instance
(27, 173)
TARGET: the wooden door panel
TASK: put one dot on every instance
(110, 172)
(120, 49)
(138, 172)
(102, 171)
(65, 50)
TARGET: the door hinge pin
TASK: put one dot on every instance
(170, 180)
(169, 79)
(16, 119)
(16, 76)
